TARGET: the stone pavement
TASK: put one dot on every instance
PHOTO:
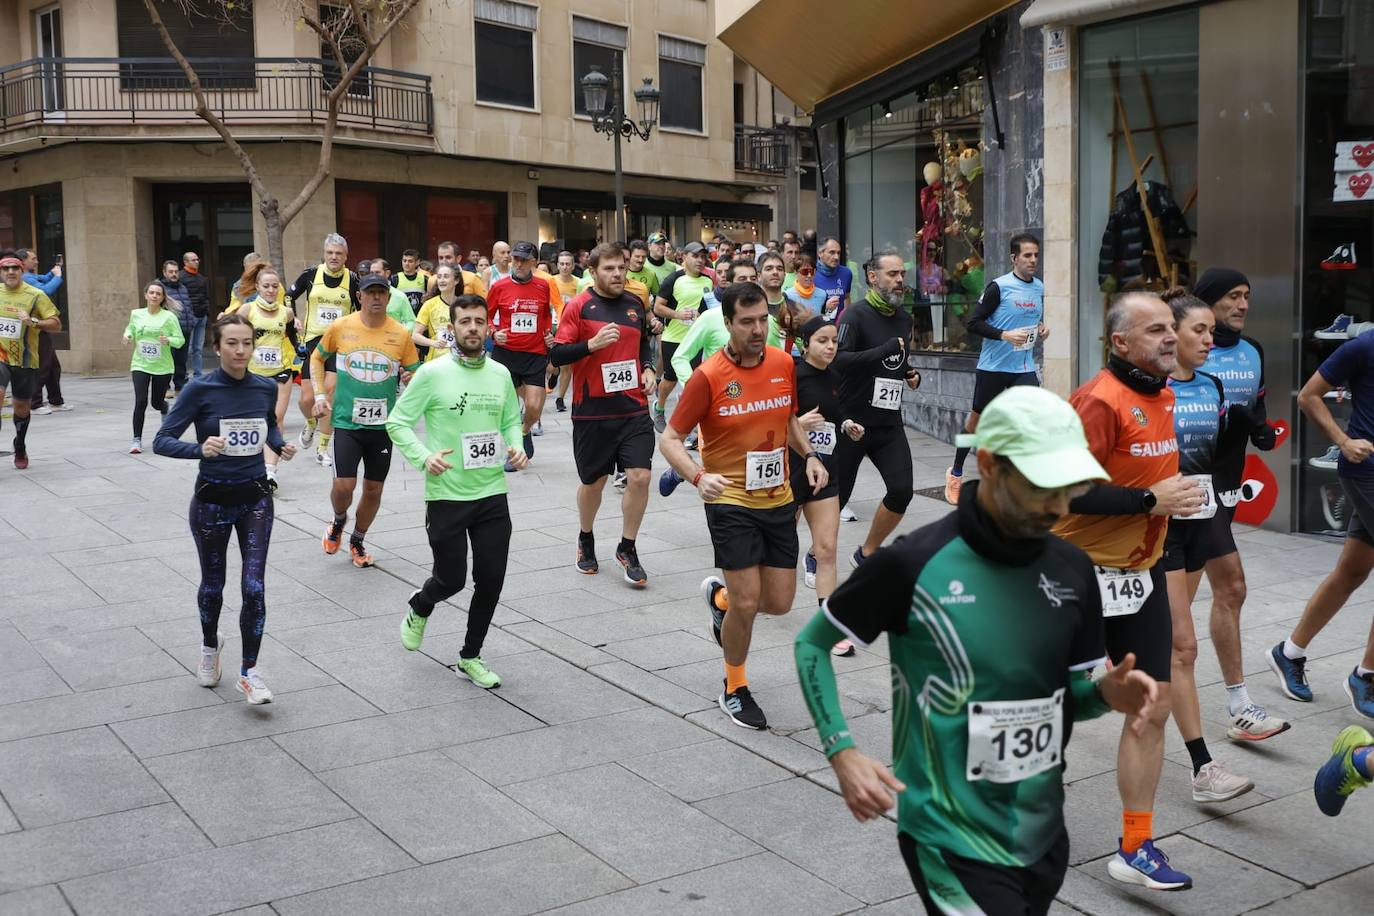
(600, 778)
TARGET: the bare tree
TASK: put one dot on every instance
(352, 31)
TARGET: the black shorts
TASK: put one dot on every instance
(369, 447)
(1191, 543)
(1359, 491)
(20, 381)
(602, 446)
(801, 488)
(330, 364)
(953, 884)
(745, 537)
(988, 385)
(669, 373)
(525, 368)
(1149, 632)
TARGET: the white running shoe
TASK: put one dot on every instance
(1254, 724)
(323, 460)
(847, 515)
(62, 407)
(45, 410)
(252, 686)
(208, 671)
(137, 447)
(307, 436)
(1215, 783)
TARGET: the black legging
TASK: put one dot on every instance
(888, 449)
(143, 383)
(211, 525)
(451, 525)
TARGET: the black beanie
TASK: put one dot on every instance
(1216, 282)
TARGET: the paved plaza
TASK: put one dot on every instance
(599, 779)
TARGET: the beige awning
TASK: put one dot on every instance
(1082, 12)
(813, 50)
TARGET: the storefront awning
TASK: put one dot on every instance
(1081, 12)
(813, 50)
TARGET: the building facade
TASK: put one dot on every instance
(469, 125)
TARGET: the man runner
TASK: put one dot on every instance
(744, 399)
(1010, 317)
(326, 293)
(412, 281)
(25, 312)
(679, 299)
(657, 260)
(978, 744)
(833, 278)
(641, 271)
(522, 330)
(470, 284)
(470, 408)
(374, 352)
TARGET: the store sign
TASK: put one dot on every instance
(1056, 49)
(1354, 170)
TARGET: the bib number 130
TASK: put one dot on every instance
(1012, 740)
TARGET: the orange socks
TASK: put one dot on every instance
(1136, 828)
(734, 678)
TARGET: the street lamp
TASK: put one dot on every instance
(604, 101)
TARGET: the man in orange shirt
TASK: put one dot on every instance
(744, 398)
(1127, 413)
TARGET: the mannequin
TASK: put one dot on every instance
(932, 232)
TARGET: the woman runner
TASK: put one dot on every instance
(234, 412)
(433, 328)
(274, 345)
(154, 331)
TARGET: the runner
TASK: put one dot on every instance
(744, 398)
(1239, 362)
(788, 315)
(274, 348)
(522, 330)
(803, 292)
(1127, 414)
(567, 286)
(642, 272)
(412, 281)
(791, 259)
(978, 745)
(326, 293)
(25, 311)
(398, 307)
(234, 413)
(872, 366)
(1199, 416)
(1350, 767)
(679, 299)
(447, 253)
(434, 324)
(833, 278)
(604, 338)
(375, 353)
(465, 497)
(500, 264)
(1010, 318)
(153, 331)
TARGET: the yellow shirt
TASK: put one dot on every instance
(272, 350)
(19, 340)
(433, 321)
(234, 302)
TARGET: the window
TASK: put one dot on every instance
(680, 64)
(598, 44)
(48, 23)
(196, 36)
(338, 21)
(503, 34)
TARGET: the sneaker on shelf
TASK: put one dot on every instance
(1343, 258)
(1147, 867)
(413, 628)
(1254, 724)
(1333, 506)
(634, 572)
(1337, 330)
(810, 570)
(847, 515)
(952, 484)
(1339, 777)
(332, 536)
(1292, 674)
(620, 480)
(1326, 459)
(1215, 783)
(857, 557)
(478, 672)
(711, 589)
(1360, 689)
(586, 559)
(361, 558)
(136, 447)
(323, 460)
(253, 687)
(559, 406)
(668, 482)
(742, 709)
(1359, 328)
(208, 671)
(306, 437)
(843, 649)
(660, 419)
(690, 443)
(45, 410)
(1336, 394)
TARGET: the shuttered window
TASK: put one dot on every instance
(195, 37)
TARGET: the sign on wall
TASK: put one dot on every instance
(1056, 49)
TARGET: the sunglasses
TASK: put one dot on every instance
(807, 272)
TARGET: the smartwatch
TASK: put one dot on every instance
(1149, 500)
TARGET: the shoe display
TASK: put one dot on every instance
(1337, 330)
(1343, 258)
(1326, 459)
(1358, 328)
(1215, 783)
(1333, 506)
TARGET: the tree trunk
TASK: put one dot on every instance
(276, 251)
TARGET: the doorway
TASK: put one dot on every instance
(215, 221)
(48, 29)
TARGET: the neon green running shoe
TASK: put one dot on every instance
(478, 672)
(1338, 777)
(413, 630)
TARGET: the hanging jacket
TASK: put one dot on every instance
(1122, 261)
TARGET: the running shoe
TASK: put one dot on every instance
(620, 481)
(62, 407)
(1292, 674)
(1254, 724)
(1333, 506)
(843, 649)
(1336, 330)
(1215, 783)
(333, 535)
(477, 672)
(306, 437)
(253, 687)
(45, 410)
(1339, 777)
(1360, 689)
(529, 445)
(361, 558)
(847, 514)
(136, 448)
(1147, 867)
(208, 671)
(586, 558)
(668, 482)
(660, 419)
(742, 709)
(538, 428)
(413, 629)
(690, 443)
(323, 460)
(810, 570)
(857, 557)
(559, 406)
(952, 484)
(1326, 459)
(21, 458)
(713, 590)
(634, 573)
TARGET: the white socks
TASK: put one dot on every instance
(1292, 651)
(1237, 698)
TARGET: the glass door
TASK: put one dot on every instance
(214, 221)
(48, 26)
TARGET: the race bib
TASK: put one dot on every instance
(524, 323)
(1013, 740)
(1030, 341)
(445, 336)
(328, 314)
(11, 328)
(1123, 590)
(763, 470)
(887, 394)
(1209, 495)
(822, 440)
(268, 357)
(481, 450)
(243, 437)
(150, 349)
(619, 376)
(369, 411)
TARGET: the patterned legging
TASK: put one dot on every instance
(211, 524)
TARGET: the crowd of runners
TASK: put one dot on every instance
(1060, 587)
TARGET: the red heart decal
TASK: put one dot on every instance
(1363, 155)
(1359, 183)
(1280, 432)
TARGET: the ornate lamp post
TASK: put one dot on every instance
(604, 101)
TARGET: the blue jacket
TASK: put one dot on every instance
(46, 282)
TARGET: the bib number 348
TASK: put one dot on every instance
(1124, 591)
(1013, 740)
(481, 450)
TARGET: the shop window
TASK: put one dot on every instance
(503, 39)
(27, 211)
(1138, 114)
(382, 220)
(570, 229)
(474, 220)
(680, 66)
(598, 44)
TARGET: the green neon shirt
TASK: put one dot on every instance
(682, 293)
(398, 308)
(707, 335)
(145, 328)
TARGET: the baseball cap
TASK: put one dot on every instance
(524, 250)
(1041, 435)
(657, 237)
(369, 280)
(693, 248)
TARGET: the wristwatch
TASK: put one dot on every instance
(1149, 500)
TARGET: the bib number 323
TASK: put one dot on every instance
(1124, 591)
(1013, 740)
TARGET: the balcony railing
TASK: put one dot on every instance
(761, 149)
(255, 90)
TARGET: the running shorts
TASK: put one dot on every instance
(1149, 632)
(745, 537)
(1360, 492)
(1223, 540)
(525, 368)
(330, 364)
(602, 446)
(20, 381)
(369, 447)
(801, 488)
(988, 385)
(948, 883)
(669, 373)
(1191, 543)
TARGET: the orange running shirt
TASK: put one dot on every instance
(742, 411)
(1131, 434)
